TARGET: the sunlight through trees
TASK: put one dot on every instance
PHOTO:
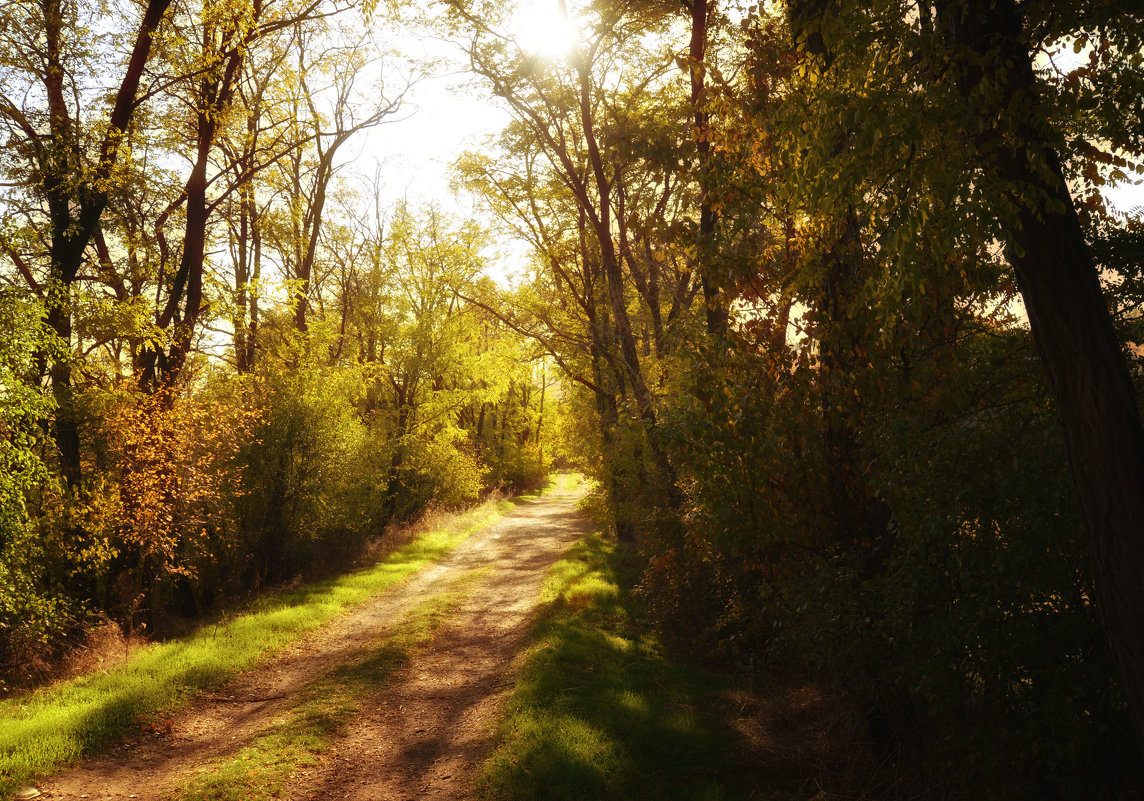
(828, 297)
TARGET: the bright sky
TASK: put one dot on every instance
(1126, 195)
(446, 115)
(437, 123)
(415, 148)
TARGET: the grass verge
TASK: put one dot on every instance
(261, 770)
(600, 710)
(42, 731)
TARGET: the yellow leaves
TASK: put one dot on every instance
(229, 15)
(176, 454)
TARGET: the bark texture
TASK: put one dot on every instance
(1068, 315)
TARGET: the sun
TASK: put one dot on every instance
(543, 28)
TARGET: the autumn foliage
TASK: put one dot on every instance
(827, 296)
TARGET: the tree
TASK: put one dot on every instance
(224, 38)
(575, 115)
(307, 171)
(701, 13)
(40, 108)
(988, 49)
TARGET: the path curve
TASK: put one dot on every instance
(424, 734)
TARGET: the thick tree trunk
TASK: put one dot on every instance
(190, 276)
(1097, 407)
(1070, 321)
(65, 429)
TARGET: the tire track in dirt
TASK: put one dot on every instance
(421, 736)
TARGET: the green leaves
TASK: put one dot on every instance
(31, 617)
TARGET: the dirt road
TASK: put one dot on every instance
(423, 734)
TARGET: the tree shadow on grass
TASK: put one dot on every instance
(600, 711)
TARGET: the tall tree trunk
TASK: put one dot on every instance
(605, 375)
(540, 416)
(860, 520)
(65, 428)
(75, 206)
(312, 228)
(716, 310)
(244, 320)
(609, 415)
(184, 303)
(1069, 318)
(614, 292)
(181, 310)
(504, 422)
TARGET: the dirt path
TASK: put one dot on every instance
(423, 735)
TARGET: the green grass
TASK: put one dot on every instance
(260, 770)
(600, 710)
(45, 730)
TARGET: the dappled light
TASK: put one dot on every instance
(596, 713)
(326, 327)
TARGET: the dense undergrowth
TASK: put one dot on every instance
(950, 620)
(950, 625)
(226, 486)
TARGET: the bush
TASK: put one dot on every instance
(521, 468)
(312, 487)
(974, 648)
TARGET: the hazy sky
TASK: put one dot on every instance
(446, 115)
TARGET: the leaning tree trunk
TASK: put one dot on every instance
(617, 303)
(184, 305)
(1071, 324)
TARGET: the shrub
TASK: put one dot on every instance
(974, 648)
(310, 482)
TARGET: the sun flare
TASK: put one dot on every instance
(542, 28)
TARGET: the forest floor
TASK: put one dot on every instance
(397, 699)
